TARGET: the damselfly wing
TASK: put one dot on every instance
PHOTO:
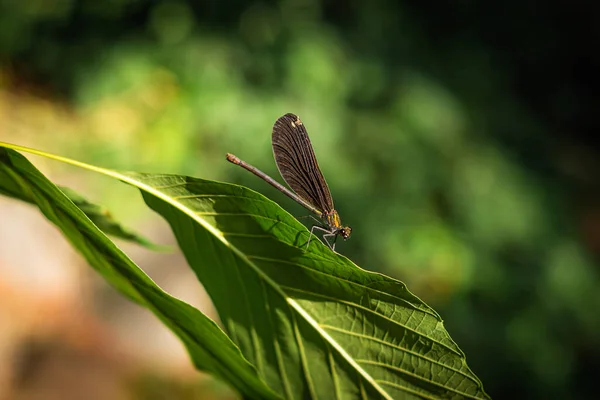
(297, 164)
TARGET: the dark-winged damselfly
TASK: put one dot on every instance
(295, 159)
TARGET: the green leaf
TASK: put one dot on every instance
(98, 214)
(104, 220)
(210, 349)
(313, 323)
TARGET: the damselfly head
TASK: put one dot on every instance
(345, 232)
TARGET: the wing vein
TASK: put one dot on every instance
(297, 164)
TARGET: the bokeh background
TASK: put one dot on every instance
(457, 139)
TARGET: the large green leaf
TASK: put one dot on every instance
(210, 349)
(314, 324)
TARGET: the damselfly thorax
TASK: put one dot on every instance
(335, 223)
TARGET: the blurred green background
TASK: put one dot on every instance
(457, 139)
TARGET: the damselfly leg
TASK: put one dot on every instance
(326, 233)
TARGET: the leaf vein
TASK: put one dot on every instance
(360, 335)
(336, 384)
(405, 372)
(298, 338)
(371, 311)
(409, 304)
(405, 389)
(278, 357)
(252, 235)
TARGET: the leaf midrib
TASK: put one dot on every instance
(406, 302)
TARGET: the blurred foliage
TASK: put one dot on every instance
(455, 139)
